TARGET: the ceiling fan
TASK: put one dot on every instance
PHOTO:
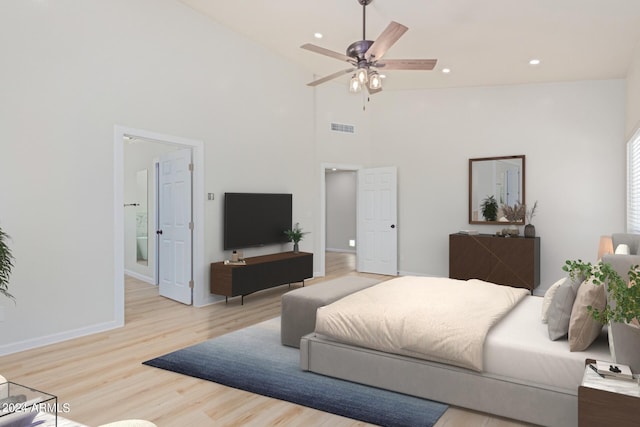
(365, 56)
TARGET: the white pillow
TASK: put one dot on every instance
(548, 297)
(622, 249)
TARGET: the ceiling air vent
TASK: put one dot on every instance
(339, 127)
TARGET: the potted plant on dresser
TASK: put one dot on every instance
(622, 310)
(6, 264)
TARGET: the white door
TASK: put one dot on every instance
(377, 221)
(176, 226)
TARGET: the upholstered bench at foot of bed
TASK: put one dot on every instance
(299, 306)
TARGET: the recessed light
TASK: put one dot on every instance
(534, 62)
(446, 70)
(317, 35)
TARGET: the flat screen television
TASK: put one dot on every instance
(256, 219)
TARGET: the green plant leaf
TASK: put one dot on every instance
(625, 293)
(6, 264)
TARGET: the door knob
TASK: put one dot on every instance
(393, 226)
(159, 232)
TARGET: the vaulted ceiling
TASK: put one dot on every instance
(482, 42)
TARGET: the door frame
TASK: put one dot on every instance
(323, 210)
(201, 295)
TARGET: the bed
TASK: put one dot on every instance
(522, 373)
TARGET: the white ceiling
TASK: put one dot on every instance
(483, 42)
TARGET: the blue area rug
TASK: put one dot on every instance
(253, 359)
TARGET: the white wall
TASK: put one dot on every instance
(76, 69)
(340, 210)
(633, 94)
(571, 134)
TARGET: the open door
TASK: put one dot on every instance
(377, 221)
(176, 226)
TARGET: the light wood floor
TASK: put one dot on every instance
(102, 378)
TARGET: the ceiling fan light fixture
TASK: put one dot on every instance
(361, 75)
(375, 81)
(354, 84)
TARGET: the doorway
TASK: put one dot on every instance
(335, 236)
(376, 217)
(141, 159)
(201, 295)
(340, 215)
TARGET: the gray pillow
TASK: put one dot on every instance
(559, 315)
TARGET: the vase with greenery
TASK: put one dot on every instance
(622, 310)
(490, 209)
(6, 264)
(294, 235)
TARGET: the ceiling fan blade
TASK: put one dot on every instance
(330, 77)
(407, 64)
(326, 52)
(389, 36)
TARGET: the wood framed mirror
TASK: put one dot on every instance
(495, 179)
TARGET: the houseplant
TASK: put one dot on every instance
(622, 310)
(294, 235)
(6, 263)
(490, 209)
(623, 297)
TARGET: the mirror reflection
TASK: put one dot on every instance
(495, 182)
(142, 225)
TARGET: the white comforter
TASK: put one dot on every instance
(439, 319)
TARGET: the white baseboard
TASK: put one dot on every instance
(139, 276)
(58, 337)
(344, 251)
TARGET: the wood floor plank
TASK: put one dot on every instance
(102, 378)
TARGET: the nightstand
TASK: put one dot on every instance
(607, 402)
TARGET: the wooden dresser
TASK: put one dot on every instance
(512, 261)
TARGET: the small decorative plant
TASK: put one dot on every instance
(6, 264)
(530, 213)
(490, 209)
(626, 294)
(514, 213)
(295, 234)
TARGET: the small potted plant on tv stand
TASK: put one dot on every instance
(295, 235)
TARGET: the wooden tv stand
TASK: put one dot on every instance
(260, 272)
